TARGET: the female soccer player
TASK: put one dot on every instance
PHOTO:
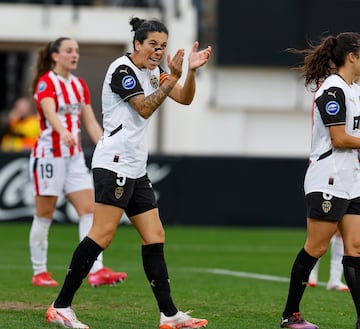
(135, 86)
(57, 163)
(332, 181)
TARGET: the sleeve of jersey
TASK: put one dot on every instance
(332, 108)
(125, 83)
(87, 99)
(44, 89)
(163, 75)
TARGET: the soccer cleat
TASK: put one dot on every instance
(44, 279)
(337, 286)
(296, 322)
(181, 320)
(313, 278)
(64, 317)
(106, 276)
(312, 284)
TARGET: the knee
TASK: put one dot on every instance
(102, 236)
(161, 235)
(316, 251)
(103, 241)
(84, 209)
(352, 248)
(156, 236)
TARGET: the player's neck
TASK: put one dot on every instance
(62, 73)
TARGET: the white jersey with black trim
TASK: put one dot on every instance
(334, 171)
(123, 146)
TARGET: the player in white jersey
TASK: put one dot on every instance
(332, 180)
(134, 88)
(336, 255)
(57, 163)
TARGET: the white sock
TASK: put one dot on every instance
(336, 255)
(38, 242)
(85, 223)
(313, 278)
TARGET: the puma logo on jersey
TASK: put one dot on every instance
(124, 71)
(332, 93)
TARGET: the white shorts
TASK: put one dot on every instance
(55, 176)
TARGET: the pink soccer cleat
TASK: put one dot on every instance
(297, 322)
(106, 276)
(44, 279)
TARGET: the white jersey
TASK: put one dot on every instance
(331, 170)
(123, 146)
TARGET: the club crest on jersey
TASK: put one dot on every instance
(154, 81)
(128, 82)
(42, 86)
(332, 108)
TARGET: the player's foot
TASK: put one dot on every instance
(44, 279)
(312, 284)
(181, 320)
(64, 317)
(296, 322)
(106, 276)
(337, 286)
(313, 279)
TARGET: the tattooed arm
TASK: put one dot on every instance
(146, 106)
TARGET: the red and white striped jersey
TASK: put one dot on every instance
(70, 95)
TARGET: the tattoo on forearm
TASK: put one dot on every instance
(154, 100)
(166, 89)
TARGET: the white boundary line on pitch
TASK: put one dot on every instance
(216, 271)
(248, 275)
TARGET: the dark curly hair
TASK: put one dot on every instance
(143, 27)
(323, 59)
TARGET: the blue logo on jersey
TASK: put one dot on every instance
(42, 86)
(128, 82)
(332, 108)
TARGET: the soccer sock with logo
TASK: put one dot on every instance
(352, 277)
(83, 258)
(300, 272)
(85, 223)
(156, 272)
(38, 242)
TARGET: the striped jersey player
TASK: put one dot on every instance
(57, 162)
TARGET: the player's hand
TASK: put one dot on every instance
(198, 58)
(67, 138)
(175, 63)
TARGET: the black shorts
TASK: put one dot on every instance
(327, 207)
(135, 196)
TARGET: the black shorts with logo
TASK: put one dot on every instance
(135, 196)
(327, 207)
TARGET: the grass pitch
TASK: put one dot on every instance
(234, 277)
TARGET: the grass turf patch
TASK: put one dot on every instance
(227, 275)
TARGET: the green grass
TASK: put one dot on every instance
(227, 301)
